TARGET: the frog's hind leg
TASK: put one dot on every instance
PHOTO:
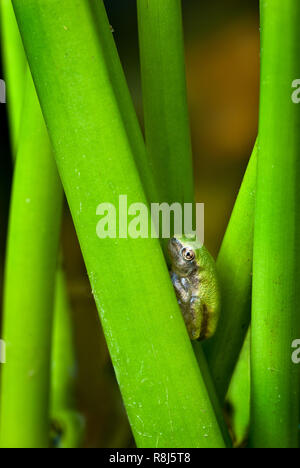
(201, 314)
(204, 324)
(195, 317)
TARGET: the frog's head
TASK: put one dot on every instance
(183, 254)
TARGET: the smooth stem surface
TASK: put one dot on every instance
(276, 293)
(64, 414)
(168, 143)
(202, 361)
(147, 339)
(164, 96)
(29, 285)
(238, 397)
(14, 62)
(234, 266)
(166, 119)
(124, 101)
(63, 352)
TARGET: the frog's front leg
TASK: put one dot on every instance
(181, 289)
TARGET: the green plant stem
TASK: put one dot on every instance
(150, 350)
(238, 397)
(166, 118)
(205, 371)
(276, 293)
(123, 97)
(234, 266)
(63, 365)
(14, 62)
(29, 285)
(168, 143)
(164, 96)
(64, 412)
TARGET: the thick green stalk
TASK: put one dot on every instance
(202, 361)
(66, 420)
(234, 266)
(149, 346)
(63, 365)
(168, 142)
(164, 96)
(14, 62)
(166, 117)
(124, 101)
(238, 397)
(276, 293)
(29, 285)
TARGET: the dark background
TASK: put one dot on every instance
(222, 61)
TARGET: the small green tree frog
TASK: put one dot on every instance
(194, 277)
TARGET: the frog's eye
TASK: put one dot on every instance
(188, 254)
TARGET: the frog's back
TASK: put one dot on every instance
(209, 289)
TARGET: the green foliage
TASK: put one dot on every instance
(29, 284)
(173, 392)
(276, 294)
(149, 346)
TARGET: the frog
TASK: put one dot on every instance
(194, 277)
